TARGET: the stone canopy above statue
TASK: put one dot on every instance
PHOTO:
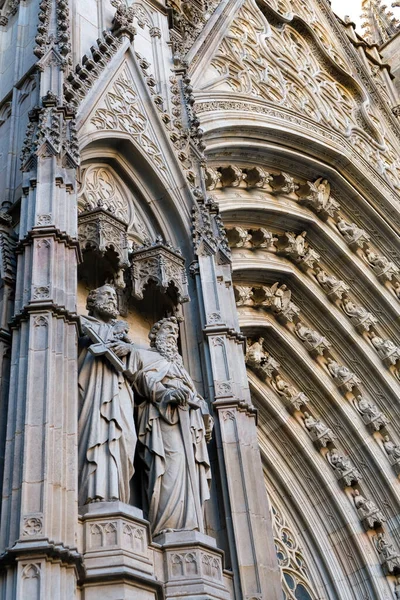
(162, 264)
(117, 245)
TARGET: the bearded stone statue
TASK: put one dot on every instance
(107, 436)
(173, 427)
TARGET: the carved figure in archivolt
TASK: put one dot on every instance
(107, 436)
(173, 427)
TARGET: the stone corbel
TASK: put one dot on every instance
(100, 230)
(161, 264)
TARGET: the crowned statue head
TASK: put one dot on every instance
(163, 337)
(102, 303)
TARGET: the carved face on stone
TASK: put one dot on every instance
(167, 335)
(164, 338)
(103, 302)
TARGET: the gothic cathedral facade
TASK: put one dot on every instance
(199, 301)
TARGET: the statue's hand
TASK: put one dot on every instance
(178, 397)
(120, 348)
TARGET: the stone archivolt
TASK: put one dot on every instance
(297, 249)
(317, 196)
(264, 243)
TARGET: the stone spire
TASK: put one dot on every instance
(379, 23)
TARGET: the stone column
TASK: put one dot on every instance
(246, 505)
(39, 509)
(7, 287)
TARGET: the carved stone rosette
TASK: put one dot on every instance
(100, 230)
(161, 264)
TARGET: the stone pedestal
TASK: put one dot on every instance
(193, 566)
(117, 556)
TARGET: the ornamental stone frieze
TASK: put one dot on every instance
(296, 248)
(161, 264)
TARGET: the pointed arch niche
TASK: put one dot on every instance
(274, 193)
(125, 215)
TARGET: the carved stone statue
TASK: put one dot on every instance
(370, 413)
(257, 358)
(296, 244)
(342, 375)
(320, 192)
(319, 432)
(288, 391)
(392, 450)
(388, 553)
(358, 314)
(397, 589)
(352, 233)
(343, 467)
(368, 511)
(386, 349)
(313, 340)
(382, 266)
(299, 250)
(320, 197)
(281, 303)
(107, 436)
(174, 425)
(255, 355)
(331, 284)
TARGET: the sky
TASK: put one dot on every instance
(353, 9)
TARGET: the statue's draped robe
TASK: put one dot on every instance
(107, 435)
(169, 489)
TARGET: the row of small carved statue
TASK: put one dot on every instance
(278, 298)
(316, 196)
(371, 516)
